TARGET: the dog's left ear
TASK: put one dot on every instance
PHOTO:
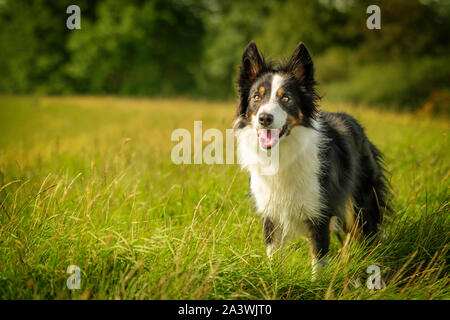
(301, 64)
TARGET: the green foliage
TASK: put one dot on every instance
(316, 24)
(191, 48)
(33, 38)
(230, 26)
(396, 84)
(410, 29)
(149, 49)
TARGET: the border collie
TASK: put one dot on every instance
(327, 167)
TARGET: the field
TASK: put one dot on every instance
(89, 181)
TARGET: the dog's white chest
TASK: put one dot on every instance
(290, 200)
(291, 196)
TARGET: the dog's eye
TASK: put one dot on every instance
(257, 97)
(285, 99)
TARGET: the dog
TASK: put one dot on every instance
(329, 175)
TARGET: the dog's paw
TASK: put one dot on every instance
(317, 266)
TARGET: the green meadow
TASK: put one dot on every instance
(89, 181)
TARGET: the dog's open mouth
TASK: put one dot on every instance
(268, 138)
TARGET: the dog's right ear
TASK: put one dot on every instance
(252, 63)
(251, 66)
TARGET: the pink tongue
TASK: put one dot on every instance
(267, 138)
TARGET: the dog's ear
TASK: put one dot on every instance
(252, 63)
(251, 66)
(301, 65)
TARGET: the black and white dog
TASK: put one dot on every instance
(327, 166)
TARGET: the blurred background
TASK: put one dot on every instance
(167, 48)
(87, 116)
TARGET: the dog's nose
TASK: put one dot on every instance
(265, 119)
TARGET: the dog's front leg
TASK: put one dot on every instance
(272, 236)
(319, 239)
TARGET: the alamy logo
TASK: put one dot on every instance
(374, 280)
(374, 20)
(213, 153)
(74, 20)
(74, 281)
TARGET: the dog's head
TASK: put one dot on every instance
(278, 97)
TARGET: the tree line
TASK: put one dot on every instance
(193, 48)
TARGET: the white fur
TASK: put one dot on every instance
(317, 266)
(291, 196)
(277, 82)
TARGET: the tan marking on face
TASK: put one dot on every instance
(262, 90)
(280, 92)
(293, 121)
(250, 114)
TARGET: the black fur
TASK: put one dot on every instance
(269, 229)
(352, 165)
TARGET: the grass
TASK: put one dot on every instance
(88, 181)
